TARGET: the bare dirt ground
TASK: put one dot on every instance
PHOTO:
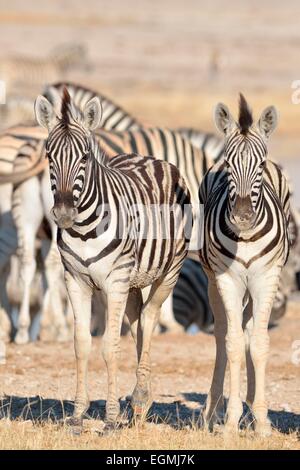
(38, 386)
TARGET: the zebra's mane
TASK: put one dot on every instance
(245, 115)
(66, 107)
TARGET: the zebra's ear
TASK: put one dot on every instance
(92, 113)
(44, 112)
(267, 121)
(223, 119)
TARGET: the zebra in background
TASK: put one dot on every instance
(210, 144)
(114, 117)
(190, 299)
(28, 74)
(84, 184)
(246, 215)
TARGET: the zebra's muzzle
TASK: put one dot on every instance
(243, 214)
(64, 216)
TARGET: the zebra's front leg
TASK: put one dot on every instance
(116, 305)
(263, 290)
(232, 290)
(81, 298)
(215, 400)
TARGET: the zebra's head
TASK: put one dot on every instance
(245, 153)
(68, 148)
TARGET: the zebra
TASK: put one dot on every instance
(210, 144)
(245, 201)
(190, 300)
(85, 185)
(29, 73)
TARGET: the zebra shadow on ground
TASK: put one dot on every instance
(177, 414)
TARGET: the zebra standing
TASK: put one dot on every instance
(246, 215)
(85, 184)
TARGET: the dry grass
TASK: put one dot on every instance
(26, 435)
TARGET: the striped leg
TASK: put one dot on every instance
(232, 291)
(215, 399)
(116, 306)
(263, 290)
(141, 397)
(28, 217)
(80, 297)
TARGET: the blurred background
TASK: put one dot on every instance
(167, 62)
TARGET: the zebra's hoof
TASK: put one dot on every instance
(73, 421)
(109, 428)
(22, 337)
(263, 429)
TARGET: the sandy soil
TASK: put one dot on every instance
(38, 381)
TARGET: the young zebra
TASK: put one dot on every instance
(246, 215)
(105, 243)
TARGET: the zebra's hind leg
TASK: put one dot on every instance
(81, 298)
(116, 306)
(27, 213)
(214, 411)
(263, 290)
(142, 397)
